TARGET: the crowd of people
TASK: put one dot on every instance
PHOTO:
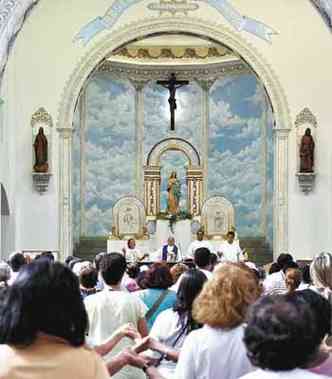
(202, 319)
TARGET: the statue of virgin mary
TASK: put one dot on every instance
(174, 194)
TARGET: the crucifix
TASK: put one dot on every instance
(172, 85)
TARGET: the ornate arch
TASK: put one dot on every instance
(179, 144)
(148, 27)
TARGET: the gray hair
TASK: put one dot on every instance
(321, 271)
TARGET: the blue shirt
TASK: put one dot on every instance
(151, 295)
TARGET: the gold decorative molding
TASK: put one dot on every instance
(41, 116)
(177, 52)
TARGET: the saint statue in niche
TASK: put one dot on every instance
(307, 148)
(41, 152)
(174, 194)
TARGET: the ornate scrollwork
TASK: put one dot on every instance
(306, 117)
(41, 116)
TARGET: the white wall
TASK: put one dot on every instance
(44, 56)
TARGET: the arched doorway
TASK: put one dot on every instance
(152, 177)
(188, 26)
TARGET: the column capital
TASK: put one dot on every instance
(205, 84)
(65, 132)
(138, 84)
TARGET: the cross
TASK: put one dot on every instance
(172, 85)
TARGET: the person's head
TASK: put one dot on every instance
(88, 277)
(274, 268)
(98, 259)
(322, 309)
(321, 271)
(284, 259)
(173, 174)
(177, 270)
(69, 259)
(306, 274)
(112, 268)
(16, 261)
(171, 241)
(157, 276)
(200, 235)
(191, 285)
(281, 333)
(133, 270)
(290, 265)
(225, 298)
(293, 279)
(79, 266)
(4, 272)
(45, 298)
(230, 236)
(47, 255)
(131, 243)
(308, 132)
(202, 257)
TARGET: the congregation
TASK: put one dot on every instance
(197, 319)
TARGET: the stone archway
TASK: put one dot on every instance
(152, 178)
(200, 28)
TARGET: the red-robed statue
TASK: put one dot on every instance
(307, 149)
(41, 154)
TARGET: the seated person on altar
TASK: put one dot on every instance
(200, 242)
(169, 252)
(131, 253)
(230, 250)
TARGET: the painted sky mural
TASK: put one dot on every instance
(237, 167)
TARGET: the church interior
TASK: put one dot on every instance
(233, 137)
(174, 148)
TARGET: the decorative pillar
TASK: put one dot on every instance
(83, 125)
(195, 190)
(152, 180)
(65, 192)
(263, 166)
(139, 135)
(205, 116)
(280, 224)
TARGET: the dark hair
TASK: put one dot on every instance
(281, 333)
(191, 284)
(202, 257)
(88, 277)
(47, 255)
(112, 268)
(321, 307)
(157, 276)
(17, 261)
(133, 270)
(284, 259)
(306, 274)
(213, 259)
(45, 298)
(274, 268)
(289, 265)
(98, 259)
(231, 233)
(69, 259)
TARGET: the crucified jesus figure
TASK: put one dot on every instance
(172, 85)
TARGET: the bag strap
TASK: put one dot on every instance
(156, 305)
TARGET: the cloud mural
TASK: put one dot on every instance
(238, 114)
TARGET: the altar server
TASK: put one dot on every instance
(198, 244)
(131, 253)
(230, 250)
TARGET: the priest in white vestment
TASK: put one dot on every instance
(198, 244)
(169, 252)
(229, 250)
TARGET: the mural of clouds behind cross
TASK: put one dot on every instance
(238, 113)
